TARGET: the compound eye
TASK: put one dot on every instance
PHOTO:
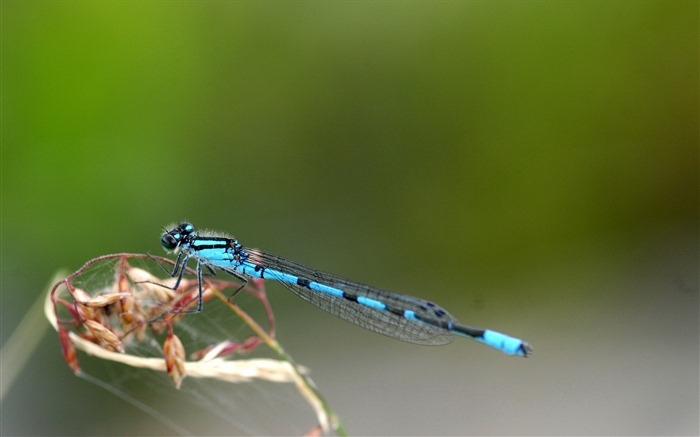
(169, 242)
(186, 228)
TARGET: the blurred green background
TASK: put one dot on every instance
(532, 166)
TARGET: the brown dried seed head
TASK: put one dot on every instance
(160, 293)
(107, 338)
(80, 295)
(86, 312)
(174, 354)
(122, 283)
(127, 319)
(127, 303)
(157, 290)
(140, 275)
(104, 300)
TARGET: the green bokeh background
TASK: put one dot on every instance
(533, 166)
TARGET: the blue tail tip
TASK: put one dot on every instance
(506, 344)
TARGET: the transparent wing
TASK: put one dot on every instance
(430, 331)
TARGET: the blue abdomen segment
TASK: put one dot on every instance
(505, 343)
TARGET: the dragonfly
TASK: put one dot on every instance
(395, 315)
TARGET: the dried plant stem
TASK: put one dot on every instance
(303, 382)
